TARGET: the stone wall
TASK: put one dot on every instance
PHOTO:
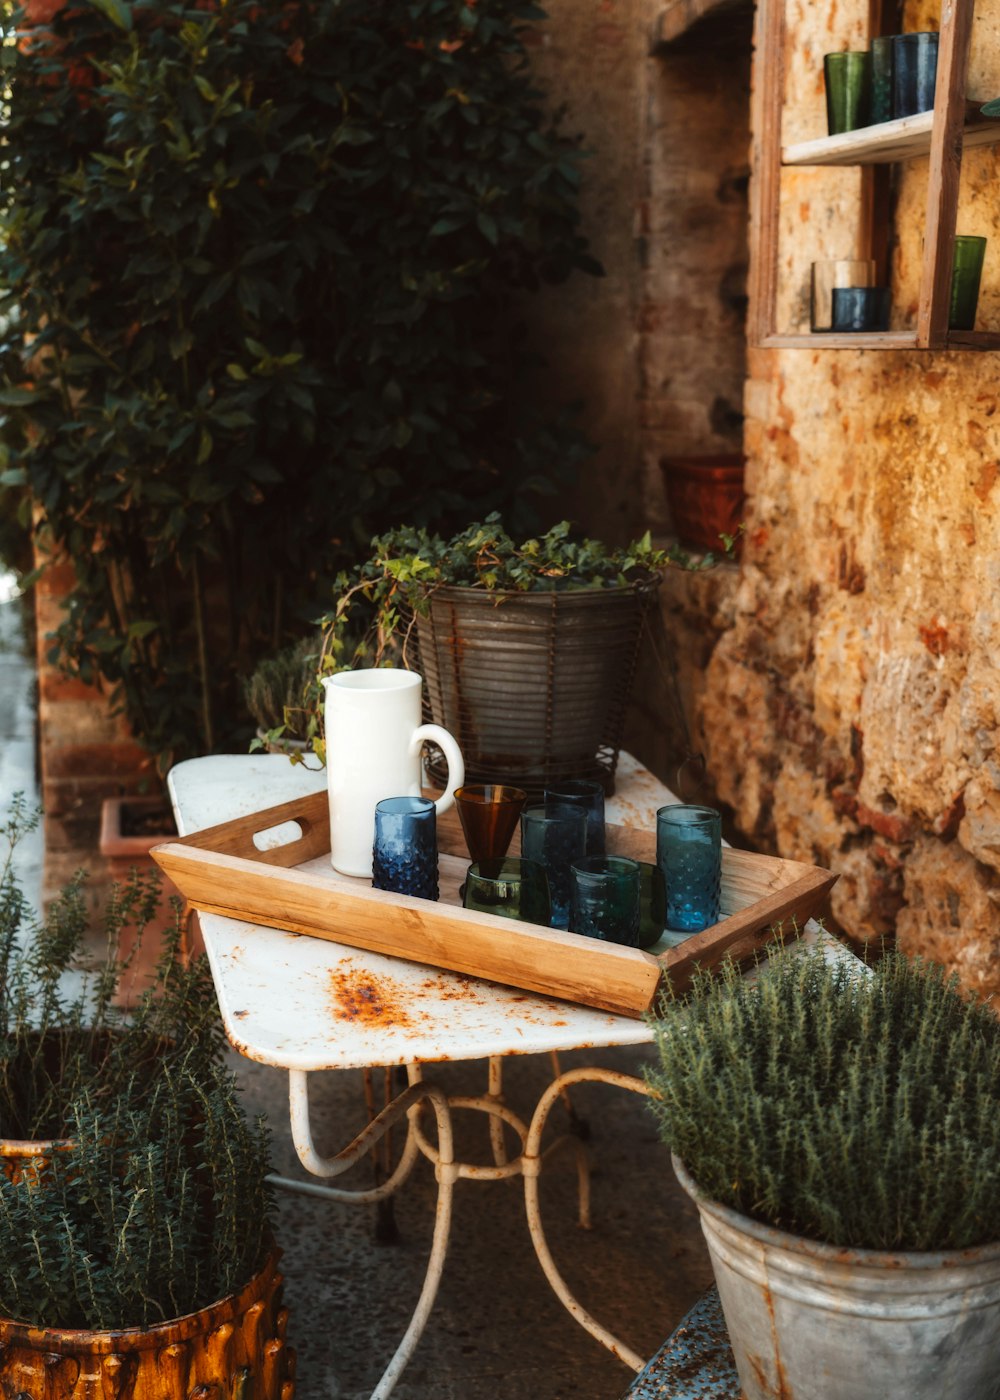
(851, 711)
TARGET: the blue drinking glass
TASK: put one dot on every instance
(405, 855)
(604, 899)
(689, 852)
(555, 834)
(580, 792)
(914, 78)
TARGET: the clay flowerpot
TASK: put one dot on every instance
(130, 828)
(706, 498)
(235, 1347)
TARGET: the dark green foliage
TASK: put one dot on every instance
(860, 1109)
(259, 262)
(156, 1202)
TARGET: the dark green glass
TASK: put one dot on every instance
(881, 71)
(966, 274)
(848, 90)
(604, 899)
(652, 904)
(511, 888)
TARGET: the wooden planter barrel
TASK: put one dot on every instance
(232, 1350)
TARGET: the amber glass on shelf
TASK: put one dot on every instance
(489, 814)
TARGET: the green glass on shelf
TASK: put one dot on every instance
(882, 69)
(848, 90)
(966, 274)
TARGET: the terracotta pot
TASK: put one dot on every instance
(706, 497)
(123, 853)
(235, 1347)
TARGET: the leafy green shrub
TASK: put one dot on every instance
(258, 263)
(283, 691)
(856, 1109)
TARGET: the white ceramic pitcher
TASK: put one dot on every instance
(373, 742)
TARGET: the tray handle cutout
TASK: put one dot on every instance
(286, 835)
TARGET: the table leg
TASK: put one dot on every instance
(408, 1104)
(531, 1166)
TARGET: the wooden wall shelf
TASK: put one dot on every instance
(886, 143)
(940, 135)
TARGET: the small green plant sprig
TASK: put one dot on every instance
(858, 1109)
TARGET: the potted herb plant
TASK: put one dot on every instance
(839, 1132)
(282, 695)
(527, 649)
(136, 1258)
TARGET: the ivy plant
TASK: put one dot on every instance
(258, 263)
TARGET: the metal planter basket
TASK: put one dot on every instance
(534, 686)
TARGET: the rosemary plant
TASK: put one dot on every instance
(859, 1110)
(161, 1207)
(284, 691)
(153, 1201)
(61, 1035)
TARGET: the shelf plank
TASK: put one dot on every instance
(889, 141)
(842, 340)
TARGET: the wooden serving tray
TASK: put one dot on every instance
(293, 886)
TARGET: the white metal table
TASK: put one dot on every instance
(304, 1004)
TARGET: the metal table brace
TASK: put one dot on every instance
(410, 1103)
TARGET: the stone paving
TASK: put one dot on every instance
(497, 1331)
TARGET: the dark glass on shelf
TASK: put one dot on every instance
(914, 60)
(882, 67)
(860, 308)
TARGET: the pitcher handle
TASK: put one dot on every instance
(449, 747)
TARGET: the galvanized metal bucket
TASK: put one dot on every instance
(534, 686)
(809, 1321)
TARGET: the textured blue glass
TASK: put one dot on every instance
(555, 834)
(914, 76)
(604, 899)
(405, 857)
(689, 852)
(580, 792)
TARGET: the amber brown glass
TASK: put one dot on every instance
(489, 813)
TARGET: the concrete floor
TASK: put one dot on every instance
(497, 1332)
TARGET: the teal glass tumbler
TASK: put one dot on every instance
(847, 77)
(689, 852)
(405, 854)
(604, 899)
(555, 834)
(882, 68)
(510, 888)
(966, 275)
(860, 309)
(580, 792)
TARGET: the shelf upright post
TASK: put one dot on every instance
(767, 101)
(944, 172)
